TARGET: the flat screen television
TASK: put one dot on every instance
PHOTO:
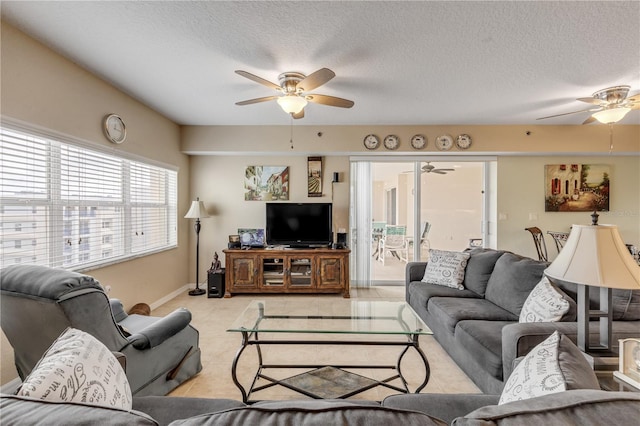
(299, 224)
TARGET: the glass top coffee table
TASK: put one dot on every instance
(328, 322)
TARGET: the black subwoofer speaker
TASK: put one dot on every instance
(215, 284)
(341, 240)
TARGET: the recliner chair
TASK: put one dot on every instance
(39, 303)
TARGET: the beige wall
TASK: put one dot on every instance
(44, 89)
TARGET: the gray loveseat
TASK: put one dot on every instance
(586, 407)
(479, 327)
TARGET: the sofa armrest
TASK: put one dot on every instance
(156, 333)
(519, 338)
(446, 407)
(414, 271)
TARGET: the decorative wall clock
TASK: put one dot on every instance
(114, 128)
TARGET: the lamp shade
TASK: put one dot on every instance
(595, 255)
(292, 104)
(611, 115)
(197, 210)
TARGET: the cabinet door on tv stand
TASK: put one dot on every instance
(300, 272)
(243, 273)
(330, 272)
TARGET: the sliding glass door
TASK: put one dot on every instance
(401, 208)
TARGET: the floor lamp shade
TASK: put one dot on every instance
(595, 256)
(197, 211)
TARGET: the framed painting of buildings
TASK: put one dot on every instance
(266, 183)
(576, 187)
(314, 176)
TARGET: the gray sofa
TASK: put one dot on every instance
(478, 326)
(586, 407)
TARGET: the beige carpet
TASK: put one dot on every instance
(213, 316)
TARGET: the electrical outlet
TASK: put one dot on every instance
(533, 216)
(502, 216)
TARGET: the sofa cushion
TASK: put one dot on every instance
(420, 293)
(483, 341)
(284, 413)
(555, 365)
(26, 411)
(446, 268)
(547, 303)
(165, 409)
(448, 311)
(512, 280)
(479, 268)
(585, 407)
(79, 368)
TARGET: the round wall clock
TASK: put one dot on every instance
(391, 142)
(114, 128)
(463, 141)
(418, 141)
(371, 142)
(444, 142)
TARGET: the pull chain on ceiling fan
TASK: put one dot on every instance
(611, 105)
(294, 88)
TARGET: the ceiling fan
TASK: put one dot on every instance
(429, 168)
(611, 105)
(294, 90)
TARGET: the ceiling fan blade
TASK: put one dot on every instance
(256, 100)
(438, 171)
(591, 119)
(298, 115)
(258, 79)
(633, 102)
(567, 113)
(590, 101)
(315, 79)
(329, 100)
(445, 170)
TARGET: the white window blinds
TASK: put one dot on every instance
(65, 205)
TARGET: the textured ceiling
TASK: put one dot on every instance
(419, 63)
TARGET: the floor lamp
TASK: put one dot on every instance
(595, 256)
(197, 211)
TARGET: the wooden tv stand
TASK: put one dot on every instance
(314, 270)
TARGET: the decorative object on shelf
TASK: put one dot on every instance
(629, 370)
(216, 265)
(595, 256)
(266, 183)
(371, 141)
(576, 187)
(463, 141)
(197, 212)
(444, 142)
(314, 176)
(114, 128)
(391, 142)
(251, 237)
(418, 141)
(234, 241)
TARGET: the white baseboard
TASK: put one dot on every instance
(170, 296)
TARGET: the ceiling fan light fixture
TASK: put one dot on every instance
(611, 115)
(292, 104)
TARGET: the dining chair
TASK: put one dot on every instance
(559, 238)
(538, 239)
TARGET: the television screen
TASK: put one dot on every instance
(299, 224)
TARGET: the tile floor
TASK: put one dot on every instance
(212, 317)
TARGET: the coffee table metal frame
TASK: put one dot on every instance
(252, 337)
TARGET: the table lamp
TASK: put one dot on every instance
(595, 256)
(197, 211)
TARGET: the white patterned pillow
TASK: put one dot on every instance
(555, 365)
(545, 303)
(79, 368)
(446, 268)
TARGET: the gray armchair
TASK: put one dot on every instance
(39, 303)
